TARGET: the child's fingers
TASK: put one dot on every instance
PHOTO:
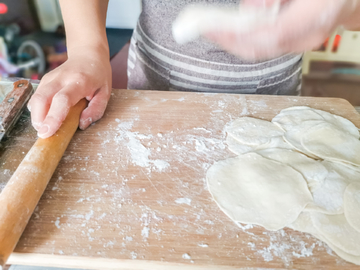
(96, 108)
(59, 109)
(40, 102)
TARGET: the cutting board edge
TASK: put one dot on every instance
(47, 260)
(244, 95)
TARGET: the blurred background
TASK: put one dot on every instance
(32, 36)
(32, 42)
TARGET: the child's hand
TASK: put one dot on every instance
(86, 74)
(301, 25)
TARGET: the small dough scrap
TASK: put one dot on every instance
(313, 171)
(328, 142)
(337, 231)
(352, 205)
(252, 189)
(253, 131)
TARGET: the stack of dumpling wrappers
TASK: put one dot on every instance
(301, 170)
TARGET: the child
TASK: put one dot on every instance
(266, 60)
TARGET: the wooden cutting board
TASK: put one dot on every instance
(130, 191)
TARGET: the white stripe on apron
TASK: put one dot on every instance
(152, 66)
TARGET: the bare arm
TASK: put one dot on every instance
(85, 23)
(86, 73)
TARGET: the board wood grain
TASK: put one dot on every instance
(26, 186)
(130, 191)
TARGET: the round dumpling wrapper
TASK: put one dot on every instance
(328, 142)
(253, 131)
(352, 205)
(255, 190)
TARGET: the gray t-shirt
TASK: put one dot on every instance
(156, 61)
(156, 21)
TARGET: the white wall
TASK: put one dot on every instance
(123, 13)
(120, 14)
(49, 14)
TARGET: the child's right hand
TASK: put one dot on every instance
(301, 25)
(86, 74)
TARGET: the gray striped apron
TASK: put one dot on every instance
(157, 62)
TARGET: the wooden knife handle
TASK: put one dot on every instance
(13, 103)
(24, 189)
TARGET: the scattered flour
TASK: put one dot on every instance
(161, 152)
(140, 155)
(304, 252)
(89, 215)
(183, 201)
(186, 256)
(133, 255)
(128, 238)
(285, 250)
(145, 233)
(57, 223)
(261, 104)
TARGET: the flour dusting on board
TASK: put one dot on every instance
(131, 182)
(183, 201)
(140, 155)
(286, 251)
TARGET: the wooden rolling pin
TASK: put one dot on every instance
(24, 189)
